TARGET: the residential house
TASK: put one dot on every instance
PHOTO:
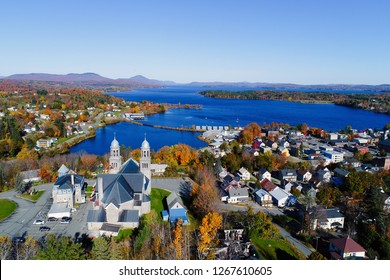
(238, 195)
(334, 156)
(346, 249)
(265, 149)
(284, 152)
(158, 169)
(44, 143)
(279, 196)
(67, 190)
(31, 176)
(267, 185)
(231, 181)
(289, 175)
(264, 174)
(353, 162)
(272, 145)
(330, 218)
(284, 144)
(303, 175)
(383, 162)
(176, 209)
(262, 197)
(323, 174)
(29, 129)
(123, 194)
(244, 174)
(223, 173)
(44, 117)
(291, 185)
(340, 173)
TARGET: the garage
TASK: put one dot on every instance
(59, 210)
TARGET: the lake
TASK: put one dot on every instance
(221, 112)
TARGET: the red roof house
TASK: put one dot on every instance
(346, 249)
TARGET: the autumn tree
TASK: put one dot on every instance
(5, 247)
(327, 196)
(262, 226)
(204, 194)
(177, 240)
(249, 133)
(208, 238)
(27, 250)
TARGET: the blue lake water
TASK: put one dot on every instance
(221, 112)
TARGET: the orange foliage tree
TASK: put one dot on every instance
(250, 132)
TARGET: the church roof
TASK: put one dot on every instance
(129, 216)
(130, 166)
(119, 188)
(63, 169)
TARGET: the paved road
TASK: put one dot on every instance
(20, 222)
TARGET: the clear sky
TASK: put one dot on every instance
(297, 41)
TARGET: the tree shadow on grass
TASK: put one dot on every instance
(283, 255)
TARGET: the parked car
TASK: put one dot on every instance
(52, 219)
(44, 229)
(19, 239)
(39, 222)
(65, 220)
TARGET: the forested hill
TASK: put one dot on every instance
(379, 103)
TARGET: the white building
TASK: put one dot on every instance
(244, 174)
(44, 143)
(334, 156)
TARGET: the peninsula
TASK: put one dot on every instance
(379, 103)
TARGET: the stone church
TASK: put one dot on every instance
(122, 193)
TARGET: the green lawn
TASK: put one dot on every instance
(7, 207)
(276, 249)
(34, 197)
(124, 233)
(157, 196)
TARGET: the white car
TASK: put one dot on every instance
(39, 222)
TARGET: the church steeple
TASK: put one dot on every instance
(145, 160)
(115, 156)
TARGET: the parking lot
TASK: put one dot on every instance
(20, 223)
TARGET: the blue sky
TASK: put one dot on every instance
(300, 41)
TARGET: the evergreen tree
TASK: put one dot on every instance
(101, 249)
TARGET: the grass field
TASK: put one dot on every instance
(124, 233)
(7, 207)
(276, 249)
(34, 197)
(157, 196)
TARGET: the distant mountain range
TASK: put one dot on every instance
(96, 80)
(89, 78)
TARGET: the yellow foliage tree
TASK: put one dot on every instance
(211, 223)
